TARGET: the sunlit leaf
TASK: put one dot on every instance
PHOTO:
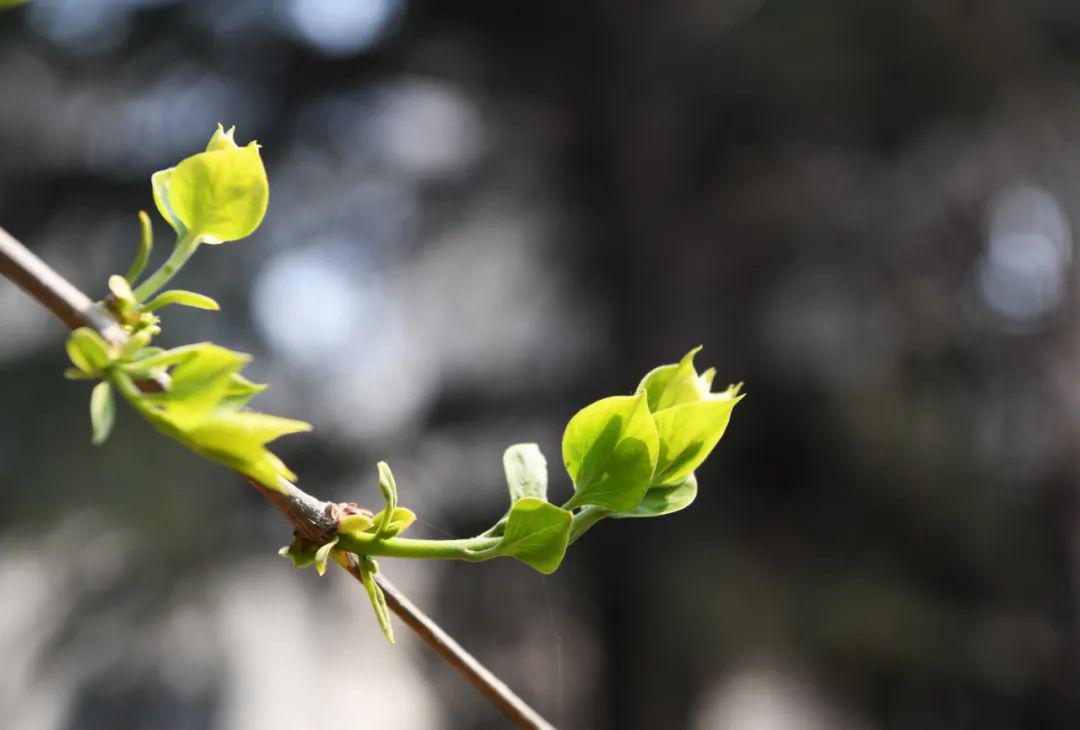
(368, 569)
(671, 385)
(146, 245)
(388, 487)
(183, 298)
(87, 350)
(102, 411)
(526, 472)
(322, 555)
(215, 196)
(391, 523)
(355, 523)
(688, 433)
(665, 500)
(537, 533)
(610, 450)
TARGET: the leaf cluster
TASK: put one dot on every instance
(627, 456)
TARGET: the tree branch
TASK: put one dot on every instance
(313, 518)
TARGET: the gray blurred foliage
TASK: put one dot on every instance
(487, 214)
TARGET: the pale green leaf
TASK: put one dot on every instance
(610, 450)
(323, 554)
(238, 440)
(665, 500)
(355, 523)
(222, 140)
(388, 487)
(136, 346)
(152, 358)
(688, 433)
(670, 385)
(102, 411)
(88, 351)
(220, 195)
(160, 182)
(183, 298)
(393, 522)
(537, 534)
(146, 245)
(199, 382)
(240, 392)
(120, 289)
(526, 472)
(368, 569)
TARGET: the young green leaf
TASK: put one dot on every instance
(159, 184)
(199, 382)
(146, 245)
(665, 500)
(120, 289)
(88, 351)
(610, 450)
(526, 472)
(355, 523)
(238, 440)
(537, 534)
(688, 433)
(391, 523)
(215, 196)
(102, 411)
(322, 555)
(240, 392)
(157, 359)
(388, 487)
(368, 570)
(300, 552)
(670, 385)
(183, 298)
(136, 346)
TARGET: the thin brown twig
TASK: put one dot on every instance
(313, 518)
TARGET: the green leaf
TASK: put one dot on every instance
(183, 298)
(610, 450)
(537, 533)
(215, 196)
(238, 440)
(120, 289)
(300, 552)
(355, 523)
(323, 554)
(159, 183)
(5, 4)
(388, 487)
(88, 351)
(198, 384)
(664, 500)
(368, 569)
(671, 385)
(526, 472)
(392, 523)
(688, 433)
(102, 411)
(146, 245)
(136, 346)
(158, 359)
(240, 392)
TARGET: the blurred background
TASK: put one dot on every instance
(485, 215)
